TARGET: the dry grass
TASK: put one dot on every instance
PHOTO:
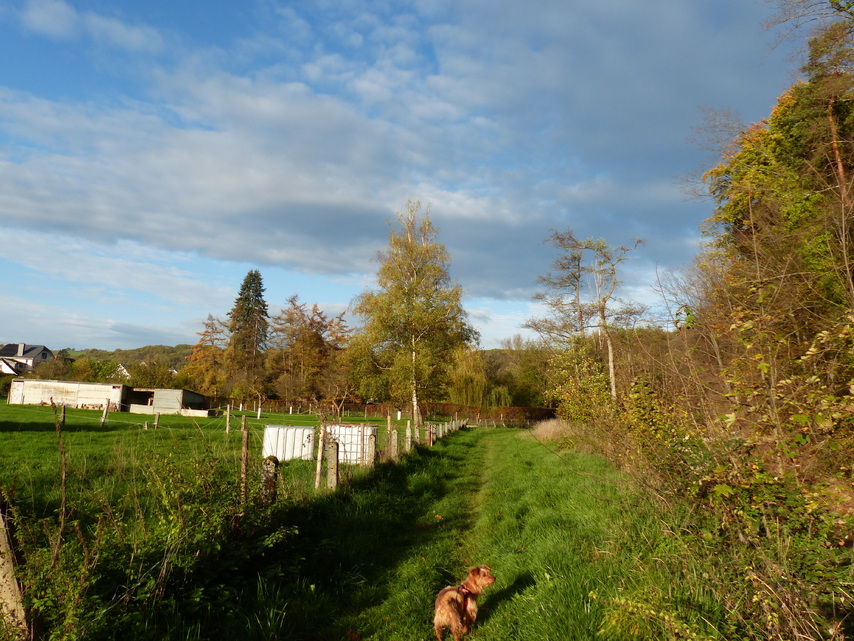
(553, 429)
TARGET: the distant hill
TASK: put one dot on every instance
(175, 356)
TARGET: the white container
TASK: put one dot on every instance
(287, 442)
(352, 441)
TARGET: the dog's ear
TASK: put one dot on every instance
(484, 569)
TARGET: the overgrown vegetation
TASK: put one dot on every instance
(157, 545)
(741, 414)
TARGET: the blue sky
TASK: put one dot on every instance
(153, 152)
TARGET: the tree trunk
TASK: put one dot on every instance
(603, 329)
(416, 411)
(612, 374)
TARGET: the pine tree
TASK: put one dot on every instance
(248, 327)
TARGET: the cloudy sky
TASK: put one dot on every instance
(153, 152)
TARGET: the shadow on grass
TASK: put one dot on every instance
(349, 541)
(495, 599)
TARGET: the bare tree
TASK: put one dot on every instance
(580, 293)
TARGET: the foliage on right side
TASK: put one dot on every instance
(743, 413)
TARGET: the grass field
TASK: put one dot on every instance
(157, 546)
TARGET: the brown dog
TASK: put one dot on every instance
(456, 607)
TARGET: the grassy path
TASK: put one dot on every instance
(540, 520)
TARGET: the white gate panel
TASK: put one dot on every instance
(288, 442)
(352, 441)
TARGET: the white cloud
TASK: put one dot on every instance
(293, 147)
(52, 18)
(117, 34)
(59, 20)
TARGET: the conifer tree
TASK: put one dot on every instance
(206, 366)
(248, 326)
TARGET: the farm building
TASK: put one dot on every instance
(31, 391)
(149, 400)
(139, 400)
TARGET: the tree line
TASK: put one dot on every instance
(413, 344)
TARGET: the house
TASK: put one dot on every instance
(17, 358)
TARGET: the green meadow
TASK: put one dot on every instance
(149, 538)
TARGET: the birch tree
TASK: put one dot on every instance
(414, 319)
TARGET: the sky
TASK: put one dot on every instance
(153, 152)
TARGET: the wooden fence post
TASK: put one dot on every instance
(244, 459)
(106, 411)
(12, 613)
(228, 418)
(331, 465)
(321, 437)
(371, 457)
(393, 445)
(157, 420)
(269, 478)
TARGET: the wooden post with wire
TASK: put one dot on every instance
(318, 470)
(331, 450)
(12, 614)
(244, 459)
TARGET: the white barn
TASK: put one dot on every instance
(121, 398)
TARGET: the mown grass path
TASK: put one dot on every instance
(543, 521)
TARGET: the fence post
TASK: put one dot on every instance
(317, 471)
(11, 598)
(371, 456)
(244, 459)
(106, 411)
(157, 420)
(269, 477)
(393, 445)
(331, 465)
(228, 418)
